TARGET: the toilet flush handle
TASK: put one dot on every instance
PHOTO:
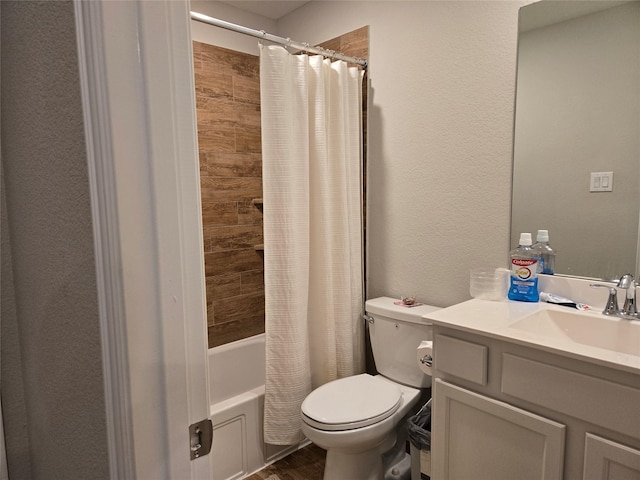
(427, 360)
(370, 320)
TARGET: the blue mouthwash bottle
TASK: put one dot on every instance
(523, 263)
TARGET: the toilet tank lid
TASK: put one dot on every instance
(385, 306)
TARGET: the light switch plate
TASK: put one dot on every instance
(601, 182)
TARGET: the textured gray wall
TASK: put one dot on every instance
(51, 243)
(11, 381)
(440, 136)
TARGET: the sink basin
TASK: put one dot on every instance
(610, 333)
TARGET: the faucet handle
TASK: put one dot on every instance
(611, 308)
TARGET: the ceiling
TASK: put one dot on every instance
(273, 9)
(542, 14)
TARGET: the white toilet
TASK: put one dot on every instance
(356, 418)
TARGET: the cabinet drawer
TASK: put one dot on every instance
(460, 358)
(600, 402)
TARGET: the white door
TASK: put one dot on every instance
(607, 460)
(138, 98)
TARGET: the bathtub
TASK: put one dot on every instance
(236, 374)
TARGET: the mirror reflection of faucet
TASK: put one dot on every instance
(629, 309)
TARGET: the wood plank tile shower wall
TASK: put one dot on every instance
(228, 109)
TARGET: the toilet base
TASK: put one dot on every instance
(357, 465)
(366, 466)
(401, 470)
(341, 466)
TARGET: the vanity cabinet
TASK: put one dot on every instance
(504, 410)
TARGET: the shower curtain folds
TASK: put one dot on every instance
(311, 144)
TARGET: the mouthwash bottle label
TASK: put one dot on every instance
(524, 280)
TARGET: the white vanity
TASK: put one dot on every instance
(534, 391)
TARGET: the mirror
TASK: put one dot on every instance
(578, 113)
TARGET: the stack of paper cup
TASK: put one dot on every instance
(489, 283)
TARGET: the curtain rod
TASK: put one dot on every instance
(287, 42)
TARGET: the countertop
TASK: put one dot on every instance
(495, 319)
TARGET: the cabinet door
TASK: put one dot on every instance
(476, 437)
(607, 460)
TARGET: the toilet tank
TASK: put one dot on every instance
(395, 333)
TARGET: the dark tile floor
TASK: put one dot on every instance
(305, 464)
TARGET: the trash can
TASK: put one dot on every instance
(419, 427)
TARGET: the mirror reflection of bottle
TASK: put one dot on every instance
(545, 252)
(523, 263)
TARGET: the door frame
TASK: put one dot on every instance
(136, 72)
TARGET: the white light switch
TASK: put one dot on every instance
(601, 182)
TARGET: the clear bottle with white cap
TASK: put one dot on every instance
(546, 253)
(523, 263)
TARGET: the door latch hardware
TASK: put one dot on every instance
(200, 438)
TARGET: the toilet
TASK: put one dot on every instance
(357, 419)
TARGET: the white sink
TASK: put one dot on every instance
(609, 333)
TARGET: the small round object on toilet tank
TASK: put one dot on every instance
(408, 300)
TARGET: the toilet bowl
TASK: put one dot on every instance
(357, 419)
(354, 419)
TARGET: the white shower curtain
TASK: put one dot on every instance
(311, 149)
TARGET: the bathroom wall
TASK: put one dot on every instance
(52, 373)
(229, 143)
(232, 225)
(441, 114)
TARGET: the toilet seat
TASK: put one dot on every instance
(351, 402)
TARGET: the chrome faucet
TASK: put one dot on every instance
(629, 310)
(611, 308)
